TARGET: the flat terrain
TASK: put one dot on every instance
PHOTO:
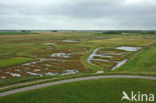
(26, 34)
(28, 59)
(37, 55)
(91, 91)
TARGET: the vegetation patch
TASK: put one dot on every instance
(79, 45)
(144, 61)
(91, 91)
(16, 33)
(124, 41)
(14, 61)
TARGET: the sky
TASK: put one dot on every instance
(78, 14)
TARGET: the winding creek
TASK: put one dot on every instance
(36, 68)
(92, 55)
(110, 55)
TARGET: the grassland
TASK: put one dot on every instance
(18, 49)
(14, 61)
(14, 51)
(143, 61)
(91, 91)
(89, 67)
(140, 41)
(16, 33)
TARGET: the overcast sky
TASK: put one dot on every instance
(78, 14)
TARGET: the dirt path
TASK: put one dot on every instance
(73, 80)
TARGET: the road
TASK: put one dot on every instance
(73, 80)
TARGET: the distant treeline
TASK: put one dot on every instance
(128, 32)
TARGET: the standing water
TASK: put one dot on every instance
(128, 48)
(92, 55)
(119, 64)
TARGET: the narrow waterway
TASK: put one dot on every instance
(119, 64)
(92, 55)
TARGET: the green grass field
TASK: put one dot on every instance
(14, 61)
(92, 91)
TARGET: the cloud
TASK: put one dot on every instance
(78, 14)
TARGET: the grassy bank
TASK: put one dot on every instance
(144, 61)
(14, 83)
(89, 66)
(92, 91)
